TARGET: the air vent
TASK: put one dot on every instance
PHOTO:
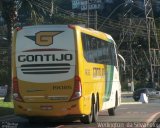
(57, 68)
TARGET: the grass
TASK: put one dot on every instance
(6, 108)
(127, 97)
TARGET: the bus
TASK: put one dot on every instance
(64, 71)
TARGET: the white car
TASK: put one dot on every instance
(3, 90)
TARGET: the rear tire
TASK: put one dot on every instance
(87, 119)
(111, 111)
(95, 113)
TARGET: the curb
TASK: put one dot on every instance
(131, 103)
(123, 93)
(154, 118)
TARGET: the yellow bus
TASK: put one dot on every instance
(64, 71)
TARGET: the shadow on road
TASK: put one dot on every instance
(47, 124)
(6, 111)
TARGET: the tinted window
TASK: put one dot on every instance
(98, 51)
(151, 90)
(143, 91)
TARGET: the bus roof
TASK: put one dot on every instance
(96, 32)
(79, 27)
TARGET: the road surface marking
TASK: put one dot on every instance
(131, 103)
(60, 126)
(152, 118)
(123, 108)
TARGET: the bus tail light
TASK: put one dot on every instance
(16, 94)
(19, 28)
(71, 26)
(77, 92)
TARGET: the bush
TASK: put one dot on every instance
(3, 76)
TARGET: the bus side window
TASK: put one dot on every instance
(93, 48)
(88, 47)
(108, 57)
(113, 55)
(104, 52)
(98, 51)
(85, 43)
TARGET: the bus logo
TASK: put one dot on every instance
(44, 38)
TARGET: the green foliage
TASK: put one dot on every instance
(29, 13)
(6, 105)
(65, 4)
(6, 108)
(4, 76)
(62, 19)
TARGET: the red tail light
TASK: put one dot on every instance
(16, 94)
(77, 92)
(19, 28)
(71, 26)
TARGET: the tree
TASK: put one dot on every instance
(29, 13)
(65, 4)
(8, 13)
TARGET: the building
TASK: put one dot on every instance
(93, 5)
(156, 4)
(76, 4)
(82, 5)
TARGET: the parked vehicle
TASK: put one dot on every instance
(150, 92)
(3, 90)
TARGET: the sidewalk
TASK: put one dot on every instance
(131, 103)
(126, 92)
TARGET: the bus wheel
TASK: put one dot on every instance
(87, 119)
(95, 112)
(111, 111)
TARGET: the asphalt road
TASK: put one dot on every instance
(133, 115)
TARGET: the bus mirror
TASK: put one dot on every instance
(123, 62)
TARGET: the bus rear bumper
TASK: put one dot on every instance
(59, 109)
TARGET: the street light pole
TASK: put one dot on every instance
(132, 71)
